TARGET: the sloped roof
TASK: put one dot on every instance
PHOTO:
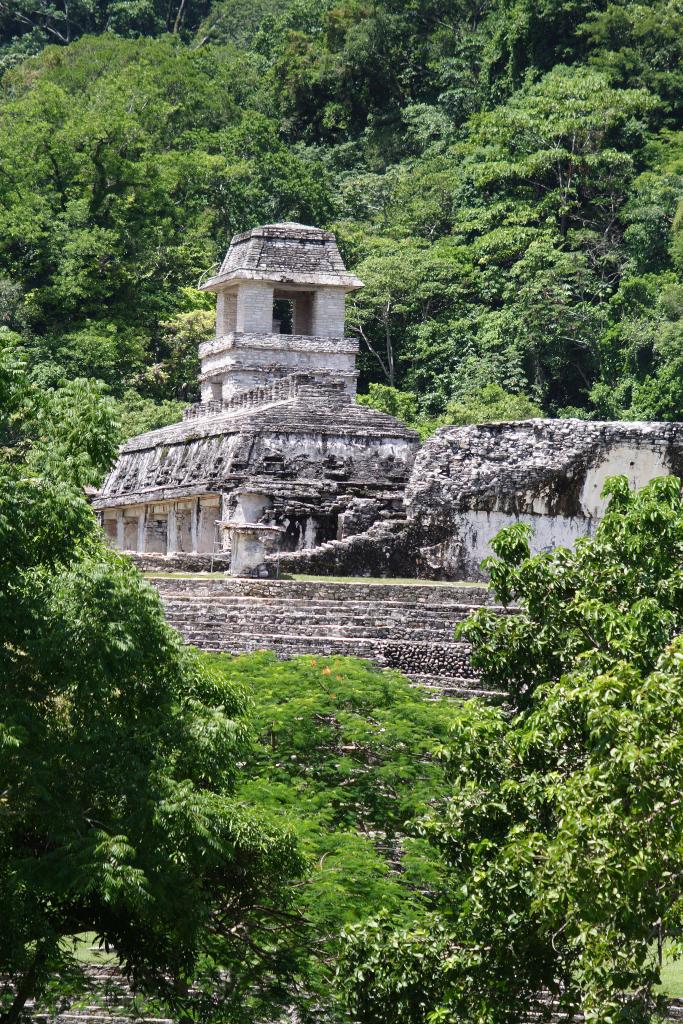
(286, 253)
(215, 453)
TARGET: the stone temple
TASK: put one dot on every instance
(278, 471)
(278, 468)
(278, 455)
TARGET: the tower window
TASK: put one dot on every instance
(283, 316)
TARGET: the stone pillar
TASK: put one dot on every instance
(206, 528)
(194, 526)
(226, 312)
(328, 313)
(303, 313)
(142, 518)
(249, 544)
(120, 539)
(171, 531)
(254, 307)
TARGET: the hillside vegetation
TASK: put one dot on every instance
(505, 175)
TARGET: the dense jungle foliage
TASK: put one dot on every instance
(505, 176)
(120, 749)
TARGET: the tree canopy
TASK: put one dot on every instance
(505, 176)
(119, 750)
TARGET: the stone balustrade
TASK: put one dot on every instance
(292, 388)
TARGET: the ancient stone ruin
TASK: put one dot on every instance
(278, 456)
(279, 468)
(467, 483)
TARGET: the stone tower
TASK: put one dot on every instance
(278, 446)
(280, 295)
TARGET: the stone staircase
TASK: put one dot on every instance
(112, 1001)
(403, 626)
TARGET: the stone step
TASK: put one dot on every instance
(275, 632)
(408, 627)
(377, 613)
(457, 682)
(456, 686)
(419, 593)
(192, 628)
(426, 657)
(88, 1017)
(221, 600)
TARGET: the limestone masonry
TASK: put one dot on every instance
(278, 467)
(467, 483)
(278, 456)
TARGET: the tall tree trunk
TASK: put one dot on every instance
(25, 988)
(390, 351)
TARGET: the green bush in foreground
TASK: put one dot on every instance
(346, 758)
(563, 833)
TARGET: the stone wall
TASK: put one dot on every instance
(240, 361)
(404, 627)
(300, 452)
(469, 482)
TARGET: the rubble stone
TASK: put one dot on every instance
(467, 483)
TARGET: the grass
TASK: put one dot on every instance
(383, 580)
(87, 951)
(672, 977)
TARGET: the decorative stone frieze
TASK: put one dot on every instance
(467, 483)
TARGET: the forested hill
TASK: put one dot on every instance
(505, 175)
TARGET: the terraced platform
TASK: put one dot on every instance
(403, 626)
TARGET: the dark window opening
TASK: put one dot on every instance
(283, 316)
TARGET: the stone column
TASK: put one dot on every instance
(254, 308)
(194, 526)
(328, 313)
(142, 519)
(171, 531)
(120, 539)
(226, 312)
(303, 312)
(250, 543)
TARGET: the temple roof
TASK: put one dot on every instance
(291, 442)
(345, 420)
(286, 253)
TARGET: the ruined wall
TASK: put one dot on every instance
(470, 482)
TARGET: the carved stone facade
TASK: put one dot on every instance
(467, 483)
(278, 441)
(470, 482)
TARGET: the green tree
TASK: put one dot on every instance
(562, 834)
(119, 752)
(127, 166)
(26, 26)
(489, 405)
(406, 283)
(346, 755)
(639, 44)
